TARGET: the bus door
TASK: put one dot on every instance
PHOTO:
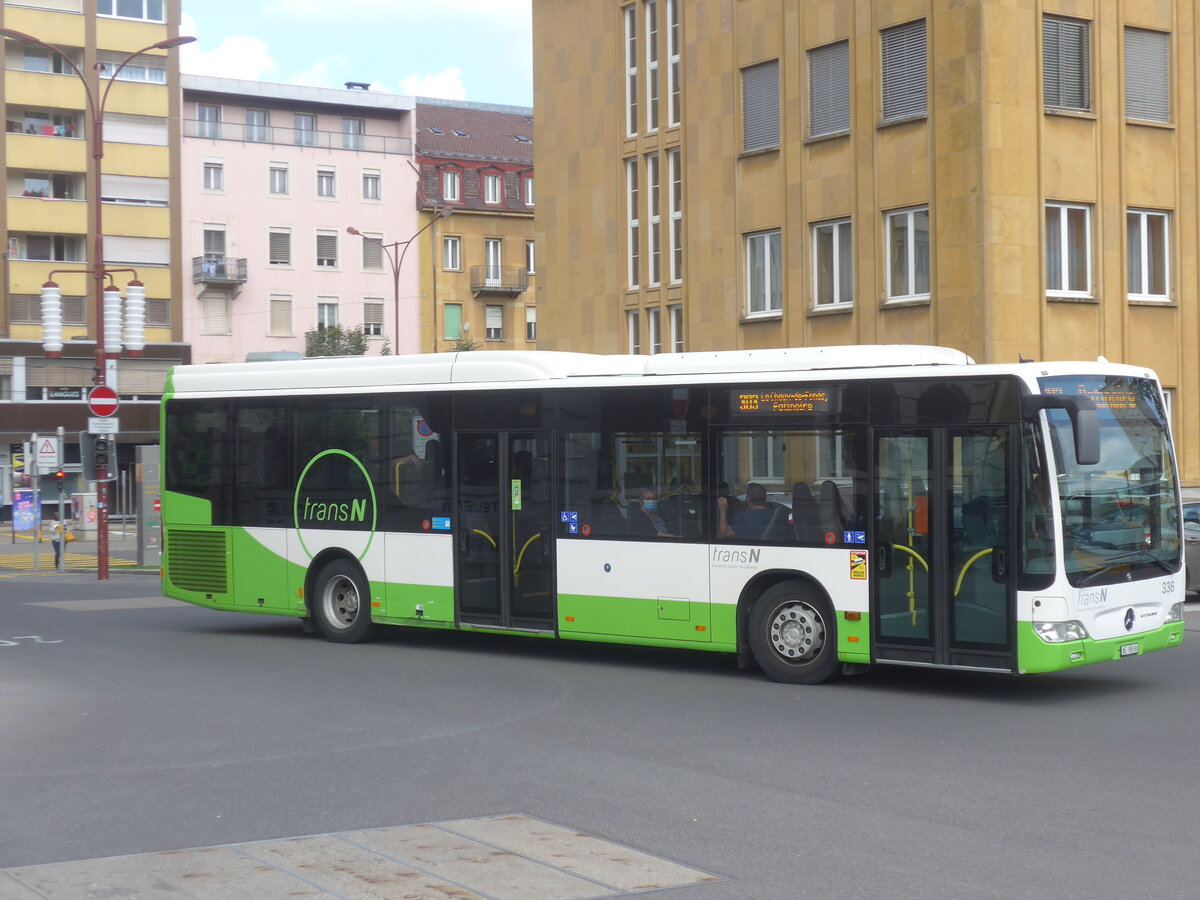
(943, 589)
(504, 530)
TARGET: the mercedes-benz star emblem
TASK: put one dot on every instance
(1129, 619)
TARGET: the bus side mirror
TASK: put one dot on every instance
(1085, 421)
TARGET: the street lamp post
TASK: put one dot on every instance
(97, 269)
(396, 262)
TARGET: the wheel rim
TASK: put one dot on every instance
(797, 632)
(340, 602)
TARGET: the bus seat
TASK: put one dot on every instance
(832, 510)
(804, 513)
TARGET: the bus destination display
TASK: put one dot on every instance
(1105, 397)
(781, 401)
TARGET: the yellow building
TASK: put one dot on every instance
(1011, 179)
(48, 216)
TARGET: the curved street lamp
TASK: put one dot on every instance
(97, 270)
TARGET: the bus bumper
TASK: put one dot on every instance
(1037, 655)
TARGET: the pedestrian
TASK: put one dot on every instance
(56, 538)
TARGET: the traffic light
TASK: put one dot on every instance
(92, 449)
(60, 479)
(102, 445)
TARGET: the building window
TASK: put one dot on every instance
(449, 185)
(327, 312)
(491, 188)
(452, 253)
(452, 321)
(493, 249)
(279, 249)
(278, 177)
(908, 254)
(675, 209)
(651, 65)
(214, 240)
(633, 325)
(531, 323)
(530, 254)
(634, 226)
(352, 133)
(208, 121)
(150, 69)
(1147, 75)
(833, 263)
(905, 80)
(764, 273)
(673, 72)
(371, 184)
(676, 316)
(256, 125)
(631, 71)
(214, 176)
(1067, 63)
(1068, 249)
(654, 323)
(305, 127)
(281, 316)
(148, 10)
(760, 106)
(372, 252)
(214, 313)
(1149, 257)
(495, 323)
(654, 211)
(326, 181)
(829, 89)
(373, 318)
(327, 249)
(529, 190)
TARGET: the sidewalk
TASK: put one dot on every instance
(17, 552)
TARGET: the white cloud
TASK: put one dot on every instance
(238, 56)
(445, 85)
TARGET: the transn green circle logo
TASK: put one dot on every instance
(335, 492)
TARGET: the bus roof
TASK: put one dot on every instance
(516, 366)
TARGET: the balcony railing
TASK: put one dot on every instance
(498, 279)
(212, 269)
(296, 137)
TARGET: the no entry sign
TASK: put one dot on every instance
(102, 401)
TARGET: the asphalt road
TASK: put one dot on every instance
(129, 724)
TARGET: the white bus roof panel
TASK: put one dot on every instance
(804, 359)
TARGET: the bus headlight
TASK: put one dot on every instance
(1175, 613)
(1057, 632)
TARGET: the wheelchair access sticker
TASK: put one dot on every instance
(858, 565)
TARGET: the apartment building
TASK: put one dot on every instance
(275, 176)
(1015, 180)
(477, 209)
(49, 223)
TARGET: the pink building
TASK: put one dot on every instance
(273, 176)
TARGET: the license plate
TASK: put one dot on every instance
(1129, 649)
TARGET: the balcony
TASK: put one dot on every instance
(295, 137)
(511, 280)
(219, 270)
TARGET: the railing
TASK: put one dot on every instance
(498, 279)
(211, 269)
(295, 137)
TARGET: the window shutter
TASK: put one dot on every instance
(760, 106)
(372, 253)
(280, 249)
(136, 188)
(281, 315)
(213, 308)
(158, 313)
(829, 89)
(214, 241)
(1147, 75)
(134, 250)
(372, 313)
(120, 128)
(1067, 63)
(905, 82)
(326, 249)
(143, 376)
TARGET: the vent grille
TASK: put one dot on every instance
(196, 560)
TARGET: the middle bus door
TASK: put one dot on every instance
(943, 559)
(504, 530)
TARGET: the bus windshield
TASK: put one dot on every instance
(1120, 516)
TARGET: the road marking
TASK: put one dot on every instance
(514, 857)
(102, 604)
(25, 637)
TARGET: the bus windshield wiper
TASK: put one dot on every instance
(1136, 556)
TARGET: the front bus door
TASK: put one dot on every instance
(943, 591)
(504, 530)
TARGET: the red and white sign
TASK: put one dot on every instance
(102, 401)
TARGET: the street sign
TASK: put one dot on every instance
(103, 401)
(103, 426)
(47, 454)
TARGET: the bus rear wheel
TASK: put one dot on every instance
(793, 634)
(342, 604)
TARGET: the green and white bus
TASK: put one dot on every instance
(808, 510)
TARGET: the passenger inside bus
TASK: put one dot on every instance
(645, 518)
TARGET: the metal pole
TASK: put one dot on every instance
(62, 522)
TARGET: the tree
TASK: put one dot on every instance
(465, 343)
(334, 340)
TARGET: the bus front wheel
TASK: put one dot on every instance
(342, 604)
(793, 634)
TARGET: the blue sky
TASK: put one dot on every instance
(477, 50)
